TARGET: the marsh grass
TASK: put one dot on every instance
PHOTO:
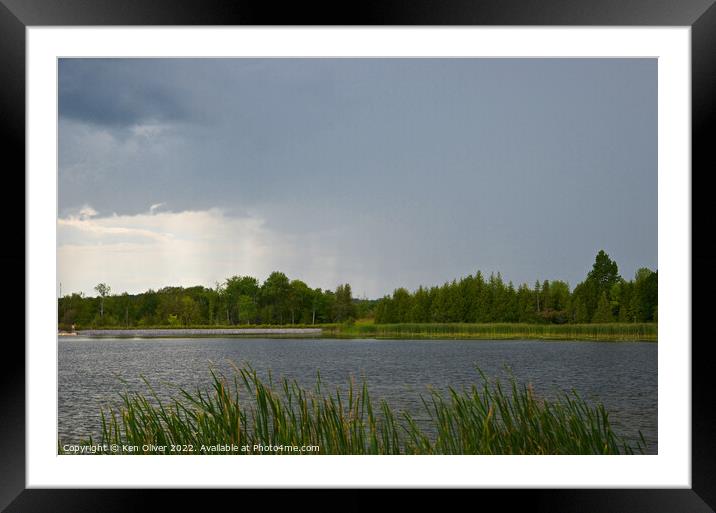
(492, 331)
(490, 418)
(505, 331)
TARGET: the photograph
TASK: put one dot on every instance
(357, 256)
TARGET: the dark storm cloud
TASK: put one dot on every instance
(117, 93)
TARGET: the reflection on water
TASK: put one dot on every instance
(621, 375)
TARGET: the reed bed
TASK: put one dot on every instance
(493, 331)
(506, 331)
(246, 412)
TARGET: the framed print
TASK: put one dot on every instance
(422, 252)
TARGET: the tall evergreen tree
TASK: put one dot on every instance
(604, 310)
(604, 273)
(344, 307)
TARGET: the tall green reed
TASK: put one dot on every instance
(246, 411)
(607, 332)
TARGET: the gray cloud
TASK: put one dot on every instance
(409, 170)
(118, 92)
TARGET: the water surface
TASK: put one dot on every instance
(621, 375)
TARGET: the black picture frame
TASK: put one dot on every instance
(700, 15)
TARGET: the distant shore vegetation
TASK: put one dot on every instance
(604, 297)
(615, 332)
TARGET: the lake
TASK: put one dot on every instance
(623, 375)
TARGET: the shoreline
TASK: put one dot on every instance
(192, 332)
(319, 333)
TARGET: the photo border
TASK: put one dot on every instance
(701, 16)
(671, 46)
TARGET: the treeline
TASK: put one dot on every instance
(604, 296)
(239, 300)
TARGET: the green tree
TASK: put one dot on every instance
(317, 305)
(402, 305)
(512, 313)
(525, 304)
(126, 302)
(601, 279)
(604, 273)
(274, 296)
(247, 309)
(604, 310)
(453, 302)
(328, 302)
(382, 311)
(189, 310)
(344, 309)
(585, 295)
(299, 297)
(420, 308)
(538, 295)
(546, 296)
(480, 299)
(500, 301)
(439, 304)
(626, 300)
(616, 296)
(646, 294)
(236, 287)
(581, 315)
(559, 295)
(103, 290)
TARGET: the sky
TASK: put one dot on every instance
(380, 173)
